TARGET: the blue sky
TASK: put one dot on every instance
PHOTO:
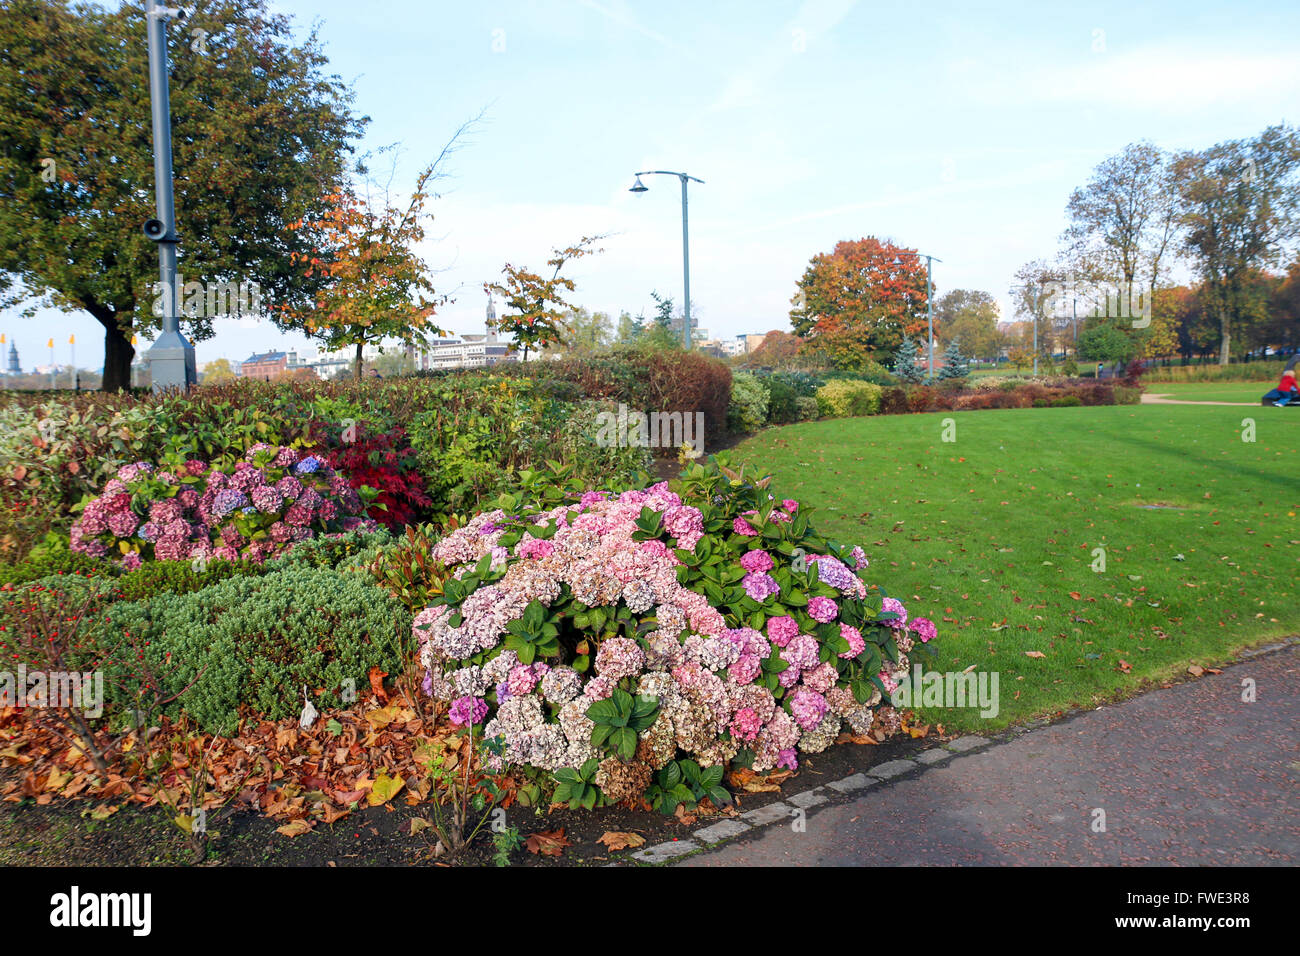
(959, 129)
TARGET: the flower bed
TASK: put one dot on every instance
(273, 497)
(634, 645)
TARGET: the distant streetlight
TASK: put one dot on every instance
(929, 306)
(640, 187)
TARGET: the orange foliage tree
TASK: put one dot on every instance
(777, 350)
(856, 302)
(537, 307)
(376, 286)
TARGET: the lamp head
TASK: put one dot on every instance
(639, 187)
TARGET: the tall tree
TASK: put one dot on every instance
(1124, 220)
(1240, 206)
(538, 304)
(857, 302)
(260, 134)
(778, 350)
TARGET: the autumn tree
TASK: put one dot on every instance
(260, 133)
(857, 302)
(376, 287)
(1240, 207)
(778, 350)
(971, 316)
(536, 304)
(218, 370)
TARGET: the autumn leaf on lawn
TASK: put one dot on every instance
(377, 684)
(1125, 666)
(1196, 670)
(547, 843)
(618, 840)
(296, 828)
(1034, 654)
(385, 789)
(1076, 595)
(103, 812)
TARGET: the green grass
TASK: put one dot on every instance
(993, 536)
(1211, 391)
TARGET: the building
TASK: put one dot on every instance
(466, 351)
(269, 365)
(14, 367)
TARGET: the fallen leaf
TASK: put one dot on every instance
(1125, 666)
(419, 824)
(618, 840)
(1196, 670)
(296, 828)
(1075, 594)
(1034, 654)
(385, 789)
(547, 843)
(377, 684)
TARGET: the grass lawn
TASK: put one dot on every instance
(1212, 391)
(993, 537)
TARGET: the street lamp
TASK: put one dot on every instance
(171, 360)
(929, 306)
(640, 187)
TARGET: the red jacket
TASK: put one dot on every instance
(1288, 382)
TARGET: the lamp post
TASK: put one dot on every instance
(639, 187)
(171, 360)
(929, 308)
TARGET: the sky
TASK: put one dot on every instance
(958, 129)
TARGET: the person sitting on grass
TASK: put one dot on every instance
(1286, 391)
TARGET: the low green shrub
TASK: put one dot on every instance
(1126, 396)
(749, 403)
(841, 398)
(807, 408)
(258, 641)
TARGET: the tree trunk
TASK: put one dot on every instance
(1224, 353)
(118, 350)
(357, 371)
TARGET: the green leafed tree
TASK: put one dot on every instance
(260, 136)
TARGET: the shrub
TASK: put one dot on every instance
(893, 401)
(376, 459)
(1067, 401)
(259, 640)
(273, 497)
(844, 397)
(711, 620)
(748, 409)
(1126, 396)
(781, 398)
(807, 408)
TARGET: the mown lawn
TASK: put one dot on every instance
(1212, 391)
(993, 536)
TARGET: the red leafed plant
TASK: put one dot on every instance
(382, 460)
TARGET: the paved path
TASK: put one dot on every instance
(1162, 398)
(1188, 775)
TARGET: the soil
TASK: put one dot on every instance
(62, 833)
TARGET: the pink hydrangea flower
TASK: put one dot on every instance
(856, 643)
(743, 527)
(756, 561)
(781, 629)
(923, 628)
(822, 609)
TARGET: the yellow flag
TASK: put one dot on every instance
(72, 340)
(50, 344)
(2, 338)
(135, 340)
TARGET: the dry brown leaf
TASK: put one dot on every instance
(547, 843)
(1196, 670)
(619, 840)
(1034, 654)
(295, 828)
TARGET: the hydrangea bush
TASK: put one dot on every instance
(623, 642)
(273, 497)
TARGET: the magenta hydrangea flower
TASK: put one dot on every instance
(856, 643)
(790, 505)
(130, 561)
(123, 523)
(822, 609)
(781, 629)
(895, 605)
(756, 561)
(787, 759)
(467, 711)
(743, 527)
(745, 724)
(267, 500)
(923, 628)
